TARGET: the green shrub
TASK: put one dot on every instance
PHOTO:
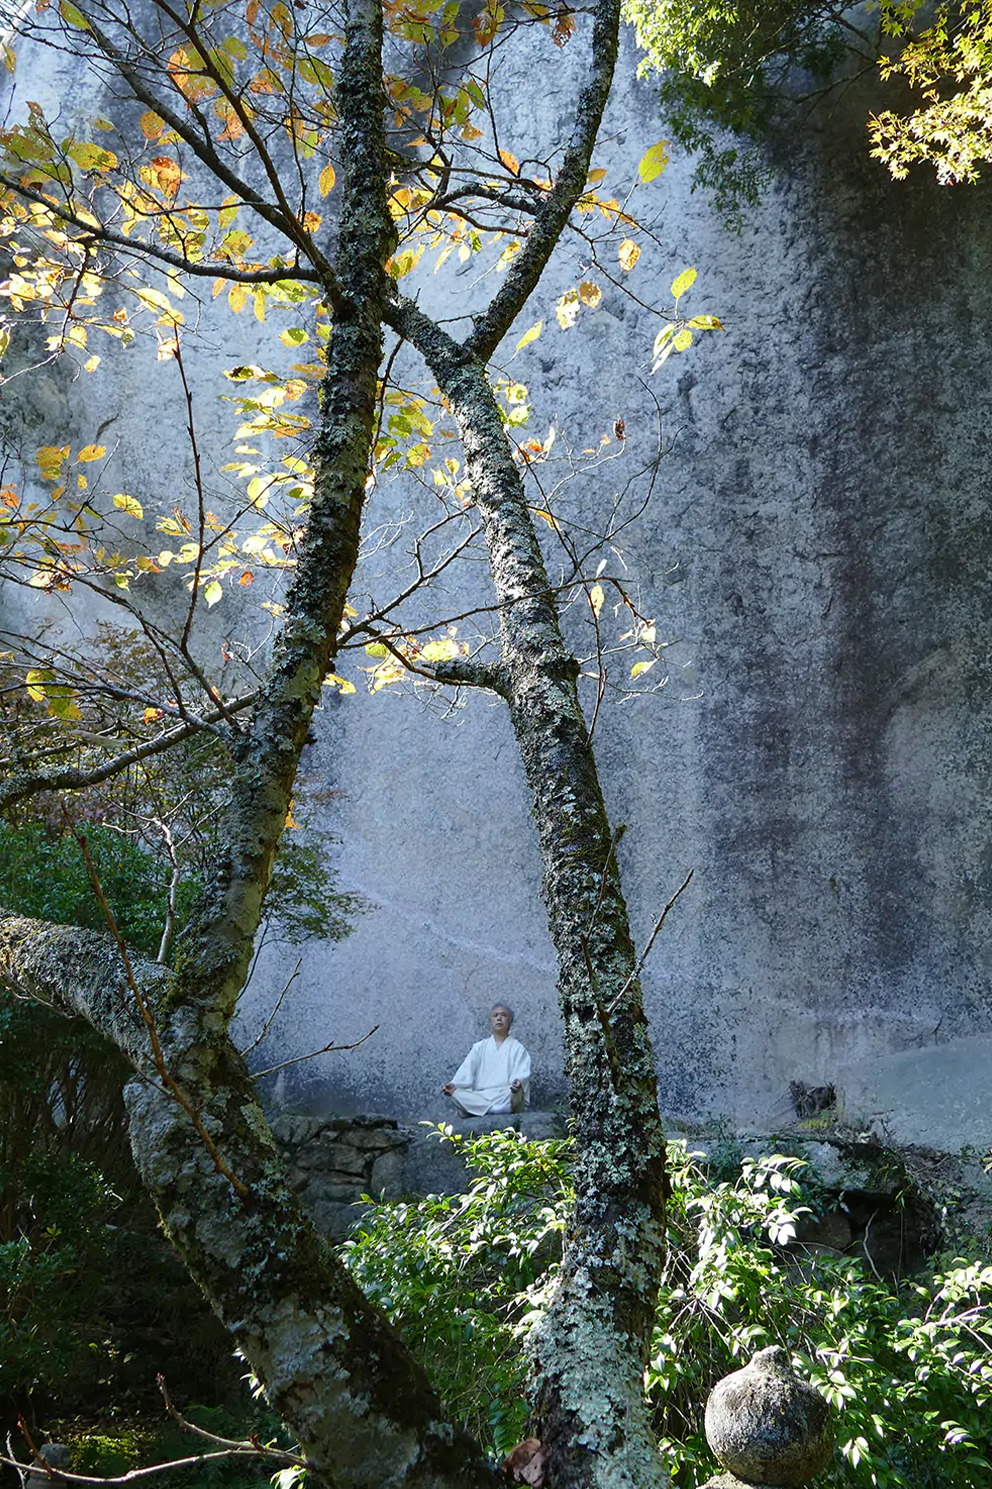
(458, 1274)
(907, 1368)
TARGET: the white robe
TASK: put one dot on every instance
(483, 1078)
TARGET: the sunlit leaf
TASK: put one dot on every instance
(90, 157)
(628, 253)
(653, 161)
(212, 592)
(151, 125)
(510, 161)
(341, 683)
(590, 294)
(530, 336)
(91, 452)
(684, 282)
(442, 650)
(706, 323)
(567, 309)
(596, 598)
(325, 181)
(130, 505)
(73, 17)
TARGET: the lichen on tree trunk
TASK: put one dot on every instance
(590, 1351)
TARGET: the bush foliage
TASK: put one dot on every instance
(907, 1367)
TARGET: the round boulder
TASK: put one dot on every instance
(767, 1426)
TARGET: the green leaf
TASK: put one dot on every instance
(90, 157)
(73, 17)
(706, 323)
(683, 340)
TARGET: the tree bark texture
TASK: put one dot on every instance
(590, 1351)
(334, 1368)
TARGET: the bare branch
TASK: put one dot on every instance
(327, 1049)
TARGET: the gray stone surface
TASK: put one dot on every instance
(817, 550)
(767, 1426)
(937, 1097)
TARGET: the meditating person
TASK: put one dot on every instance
(495, 1074)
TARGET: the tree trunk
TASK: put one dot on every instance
(590, 1352)
(364, 1411)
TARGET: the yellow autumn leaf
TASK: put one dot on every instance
(628, 254)
(683, 340)
(653, 161)
(341, 683)
(706, 323)
(50, 458)
(441, 651)
(154, 299)
(684, 282)
(212, 593)
(529, 336)
(639, 668)
(91, 452)
(510, 161)
(596, 598)
(326, 183)
(594, 177)
(236, 297)
(129, 504)
(567, 309)
(590, 294)
(151, 125)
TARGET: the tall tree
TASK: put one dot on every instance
(267, 110)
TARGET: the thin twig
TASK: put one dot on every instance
(328, 1049)
(651, 940)
(278, 1004)
(223, 1442)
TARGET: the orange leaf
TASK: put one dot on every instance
(510, 161)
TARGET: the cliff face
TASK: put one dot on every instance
(817, 550)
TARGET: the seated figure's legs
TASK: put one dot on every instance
(453, 1098)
